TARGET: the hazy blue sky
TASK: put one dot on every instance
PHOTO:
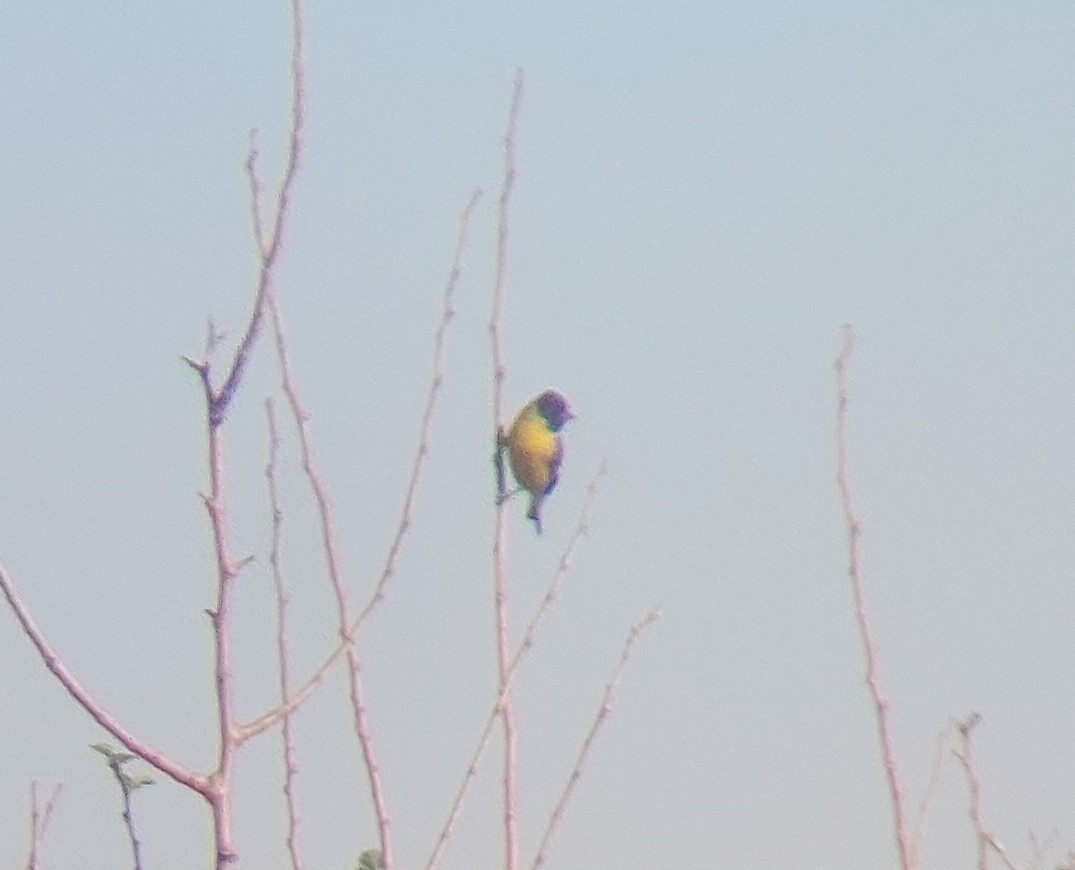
(706, 193)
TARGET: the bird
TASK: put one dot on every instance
(534, 450)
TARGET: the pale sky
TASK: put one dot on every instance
(706, 193)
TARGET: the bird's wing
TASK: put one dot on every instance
(554, 467)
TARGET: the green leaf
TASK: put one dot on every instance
(370, 860)
(115, 755)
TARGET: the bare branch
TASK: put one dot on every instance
(436, 381)
(986, 841)
(101, 716)
(128, 784)
(271, 717)
(257, 221)
(500, 570)
(855, 570)
(529, 639)
(940, 746)
(330, 545)
(297, 699)
(1041, 848)
(271, 248)
(349, 628)
(218, 790)
(587, 743)
(39, 822)
(553, 589)
(282, 600)
(496, 321)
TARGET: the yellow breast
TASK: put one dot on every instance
(533, 449)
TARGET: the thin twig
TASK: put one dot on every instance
(425, 427)
(940, 745)
(254, 180)
(529, 639)
(1040, 849)
(39, 822)
(348, 628)
(500, 570)
(587, 743)
(282, 600)
(984, 839)
(330, 546)
(132, 834)
(562, 567)
(855, 570)
(271, 717)
(128, 784)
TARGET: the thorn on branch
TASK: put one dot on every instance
(200, 366)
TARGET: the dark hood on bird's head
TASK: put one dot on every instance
(554, 409)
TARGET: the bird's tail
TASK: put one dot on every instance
(535, 512)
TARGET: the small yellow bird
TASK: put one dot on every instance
(534, 450)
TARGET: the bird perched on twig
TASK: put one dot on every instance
(534, 451)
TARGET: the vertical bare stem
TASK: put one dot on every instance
(256, 215)
(348, 628)
(128, 783)
(218, 402)
(855, 570)
(282, 601)
(330, 545)
(529, 638)
(500, 572)
(132, 833)
(227, 569)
